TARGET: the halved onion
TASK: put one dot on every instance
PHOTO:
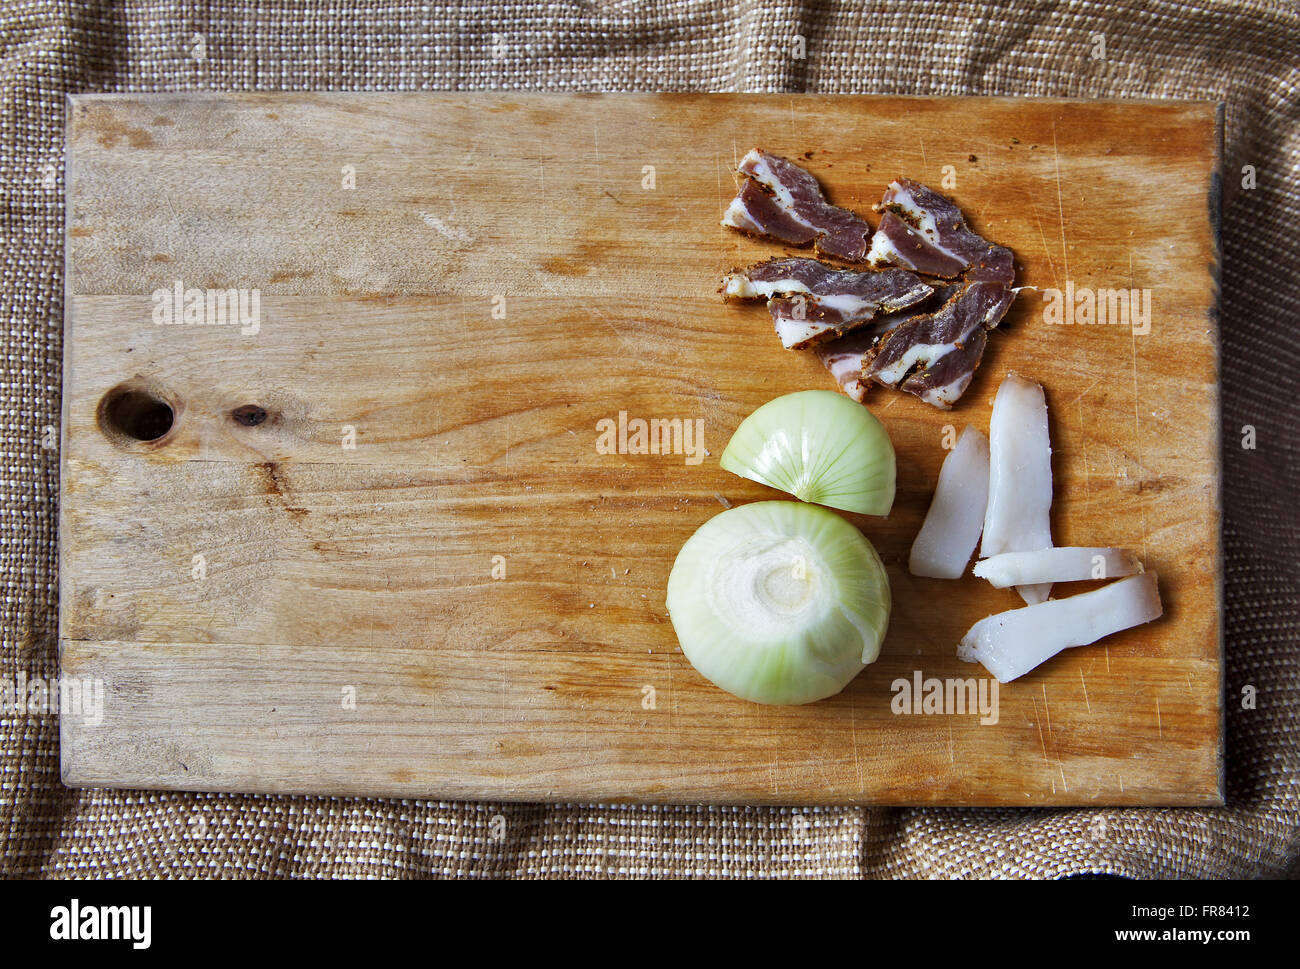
(779, 602)
(819, 446)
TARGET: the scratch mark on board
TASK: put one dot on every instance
(1060, 203)
(1041, 739)
(452, 232)
(1046, 249)
(1137, 429)
(1086, 389)
(717, 164)
(853, 729)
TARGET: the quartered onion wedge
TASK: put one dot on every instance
(779, 602)
(819, 446)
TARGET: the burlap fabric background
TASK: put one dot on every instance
(1245, 54)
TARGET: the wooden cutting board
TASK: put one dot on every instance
(420, 575)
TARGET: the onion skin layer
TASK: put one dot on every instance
(779, 602)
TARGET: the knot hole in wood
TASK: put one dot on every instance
(138, 412)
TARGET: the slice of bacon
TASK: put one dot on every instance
(935, 356)
(925, 231)
(811, 302)
(844, 356)
(779, 199)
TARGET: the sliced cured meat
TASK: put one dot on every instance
(897, 244)
(777, 198)
(759, 212)
(844, 355)
(852, 289)
(925, 231)
(811, 302)
(944, 380)
(935, 357)
(995, 265)
(884, 328)
(843, 358)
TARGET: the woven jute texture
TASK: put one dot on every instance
(1245, 54)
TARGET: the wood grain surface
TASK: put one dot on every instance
(419, 575)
